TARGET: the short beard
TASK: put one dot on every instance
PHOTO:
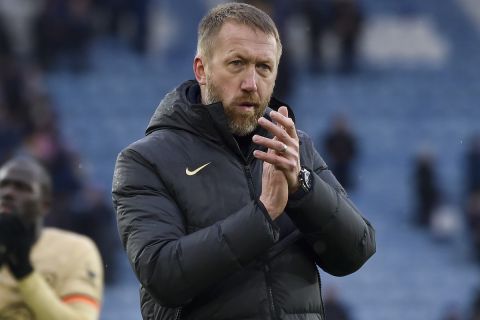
(239, 124)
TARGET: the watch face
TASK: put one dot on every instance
(306, 179)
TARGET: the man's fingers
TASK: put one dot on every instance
(282, 119)
(279, 162)
(269, 157)
(274, 129)
(283, 111)
(276, 145)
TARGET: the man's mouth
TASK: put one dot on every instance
(246, 104)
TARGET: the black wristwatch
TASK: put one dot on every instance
(305, 181)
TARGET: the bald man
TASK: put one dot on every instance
(45, 273)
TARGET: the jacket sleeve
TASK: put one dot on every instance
(340, 237)
(42, 300)
(171, 265)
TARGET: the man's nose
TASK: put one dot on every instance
(249, 82)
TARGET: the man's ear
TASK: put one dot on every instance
(199, 70)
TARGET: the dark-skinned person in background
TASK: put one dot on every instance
(225, 209)
(45, 273)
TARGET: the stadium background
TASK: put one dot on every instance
(415, 90)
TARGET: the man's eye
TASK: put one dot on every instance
(265, 66)
(21, 186)
(236, 62)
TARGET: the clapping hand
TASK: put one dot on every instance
(281, 161)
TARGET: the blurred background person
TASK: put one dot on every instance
(347, 25)
(126, 19)
(425, 187)
(341, 149)
(17, 21)
(317, 15)
(472, 166)
(45, 273)
(475, 307)
(63, 30)
(473, 221)
(335, 308)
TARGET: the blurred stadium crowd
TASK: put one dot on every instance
(43, 40)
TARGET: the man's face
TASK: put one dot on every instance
(20, 193)
(241, 74)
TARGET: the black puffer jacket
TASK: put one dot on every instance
(203, 246)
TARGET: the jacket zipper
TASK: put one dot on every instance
(269, 292)
(320, 288)
(178, 314)
(251, 187)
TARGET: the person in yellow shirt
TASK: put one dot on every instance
(45, 273)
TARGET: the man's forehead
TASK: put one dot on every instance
(232, 28)
(16, 172)
(239, 38)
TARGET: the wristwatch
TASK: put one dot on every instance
(305, 181)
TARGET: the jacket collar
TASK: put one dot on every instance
(177, 111)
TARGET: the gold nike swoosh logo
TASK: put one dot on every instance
(193, 172)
